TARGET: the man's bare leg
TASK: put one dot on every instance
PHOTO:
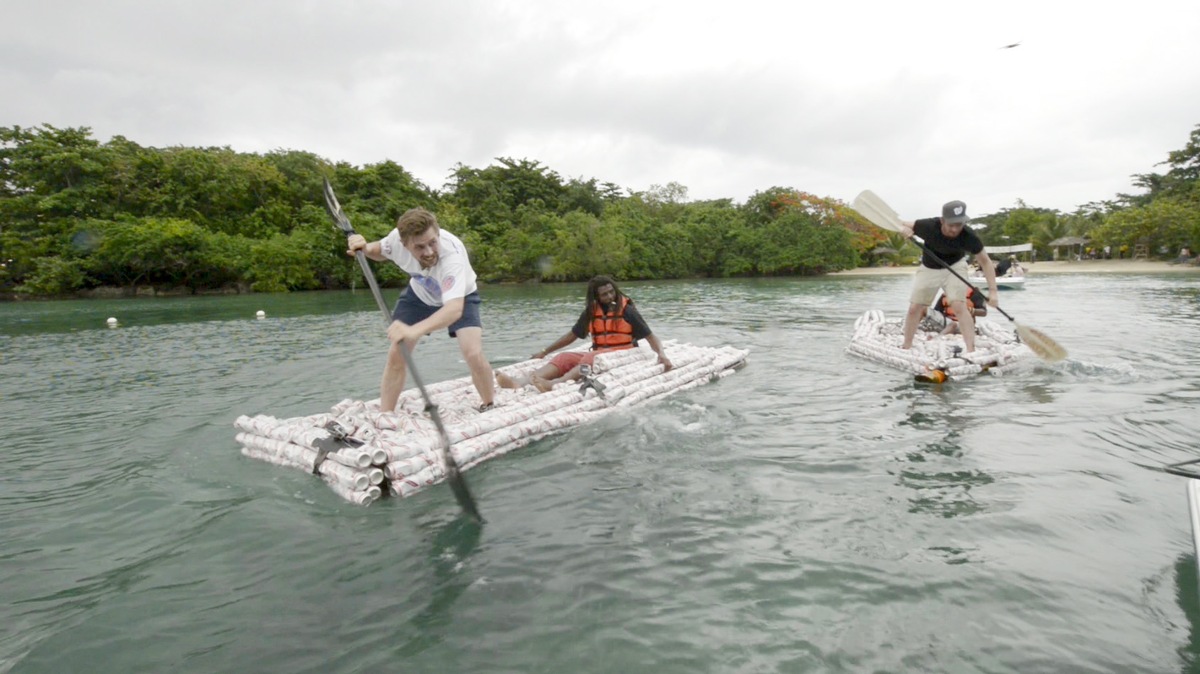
(545, 383)
(966, 323)
(506, 381)
(911, 319)
(540, 383)
(470, 342)
(394, 373)
(544, 372)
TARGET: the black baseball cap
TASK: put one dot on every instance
(954, 212)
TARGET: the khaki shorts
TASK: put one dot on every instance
(928, 281)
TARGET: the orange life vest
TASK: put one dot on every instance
(611, 331)
(950, 312)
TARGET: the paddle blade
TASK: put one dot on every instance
(1041, 343)
(876, 210)
(335, 210)
(463, 495)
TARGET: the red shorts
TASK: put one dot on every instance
(566, 361)
(569, 359)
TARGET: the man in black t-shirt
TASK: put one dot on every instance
(948, 241)
(614, 324)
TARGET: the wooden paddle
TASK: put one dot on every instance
(457, 483)
(881, 215)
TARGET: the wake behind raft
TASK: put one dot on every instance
(936, 357)
(364, 454)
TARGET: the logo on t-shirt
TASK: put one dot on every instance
(447, 283)
(430, 285)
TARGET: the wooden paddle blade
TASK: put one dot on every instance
(876, 210)
(1041, 343)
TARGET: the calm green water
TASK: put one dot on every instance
(812, 513)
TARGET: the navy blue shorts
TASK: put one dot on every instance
(411, 310)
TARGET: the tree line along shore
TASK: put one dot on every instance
(81, 217)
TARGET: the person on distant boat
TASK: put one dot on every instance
(614, 323)
(950, 240)
(1003, 266)
(1009, 267)
(942, 306)
(441, 293)
(1015, 270)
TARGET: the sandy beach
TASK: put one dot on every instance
(1037, 268)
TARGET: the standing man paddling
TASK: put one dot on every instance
(949, 238)
(441, 293)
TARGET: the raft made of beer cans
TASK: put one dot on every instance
(935, 356)
(364, 454)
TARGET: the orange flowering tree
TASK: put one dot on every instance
(792, 232)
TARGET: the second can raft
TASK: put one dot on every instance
(937, 356)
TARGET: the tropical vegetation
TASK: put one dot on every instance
(1157, 222)
(78, 214)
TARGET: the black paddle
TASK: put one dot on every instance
(457, 483)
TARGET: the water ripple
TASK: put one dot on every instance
(813, 512)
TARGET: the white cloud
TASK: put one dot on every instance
(916, 100)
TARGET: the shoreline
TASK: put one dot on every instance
(1053, 267)
(1031, 269)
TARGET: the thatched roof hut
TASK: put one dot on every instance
(1069, 242)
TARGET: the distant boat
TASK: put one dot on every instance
(1009, 272)
(1010, 282)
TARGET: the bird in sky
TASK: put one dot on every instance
(1010, 46)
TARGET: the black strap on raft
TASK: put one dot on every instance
(585, 374)
(338, 438)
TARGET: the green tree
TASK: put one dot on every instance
(586, 246)
(224, 191)
(281, 263)
(385, 189)
(793, 232)
(710, 229)
(163, 252)
(1050, 230)
(491, 196)
(1180, 182)
(1164, 224)
(54, 276)
(49, 179)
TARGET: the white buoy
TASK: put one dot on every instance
(261, 314)
(112, 322)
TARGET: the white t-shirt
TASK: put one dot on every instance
(451, 278)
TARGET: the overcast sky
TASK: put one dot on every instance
(918, 101)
